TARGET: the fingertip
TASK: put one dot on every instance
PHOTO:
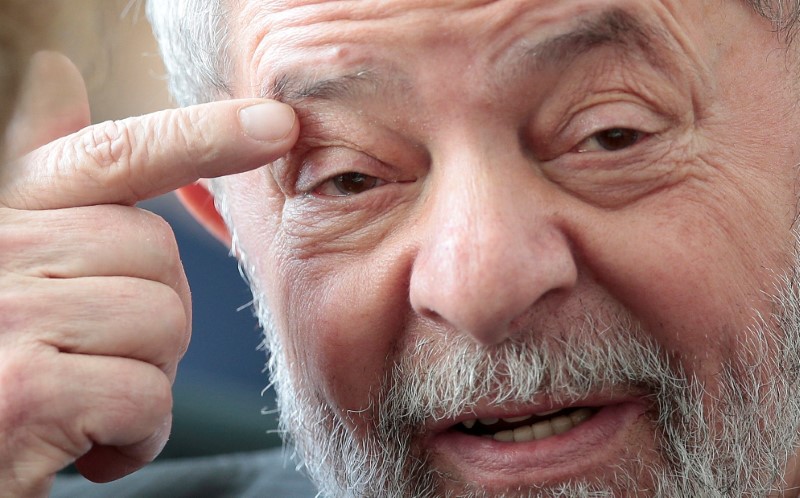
(268, 121)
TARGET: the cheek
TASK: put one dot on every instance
(695, 284)
(340, 315)
(343, 317)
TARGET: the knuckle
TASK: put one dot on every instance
(162, 240)
(147, 398)
(159, 226)
(162, 395)
(110, 150)
(189, 127)
(108, 144)
(155, 394)
(175, 323)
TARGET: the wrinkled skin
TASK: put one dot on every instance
(482, 195)
(95, 310)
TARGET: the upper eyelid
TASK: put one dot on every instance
(308, 180)
(317, 131)
(560, 117)
(577, 130)
(645, 121)
(314, 134)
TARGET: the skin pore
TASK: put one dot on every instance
(534, 206)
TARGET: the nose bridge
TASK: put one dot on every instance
(492, 249)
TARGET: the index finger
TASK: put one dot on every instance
(123, 162)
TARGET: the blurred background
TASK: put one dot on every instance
(218, 392)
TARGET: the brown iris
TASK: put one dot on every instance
(617, 138)
(354, 183)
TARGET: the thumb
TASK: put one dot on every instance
(53, 104)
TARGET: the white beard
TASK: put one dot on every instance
(734, 445)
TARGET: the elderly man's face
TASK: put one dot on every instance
(571, 216)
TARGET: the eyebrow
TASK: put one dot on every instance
(293, 89)
(613, 27)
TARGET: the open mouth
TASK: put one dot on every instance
(526, 428)
(499, 447)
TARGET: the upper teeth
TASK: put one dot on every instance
(514, 420)
(511, 420)
(539, 430)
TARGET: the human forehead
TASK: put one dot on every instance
(291, 12)
(324, 37)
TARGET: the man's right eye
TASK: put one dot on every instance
(348, 184)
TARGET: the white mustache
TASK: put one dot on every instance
(441, 379)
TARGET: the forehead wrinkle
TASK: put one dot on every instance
(301, 21)
(631, 36)
(611, 27)
(356, 9)
(614, 27)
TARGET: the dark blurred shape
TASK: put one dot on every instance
(218, 400)
(23, 27)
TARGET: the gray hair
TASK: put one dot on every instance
(194, 40)
(784, 14)
(193, 36)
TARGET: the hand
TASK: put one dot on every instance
(95, 309)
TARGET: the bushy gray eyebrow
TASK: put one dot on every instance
(362, 82)
(613, 27)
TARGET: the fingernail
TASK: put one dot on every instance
(268, 122)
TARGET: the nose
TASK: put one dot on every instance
(491, 250)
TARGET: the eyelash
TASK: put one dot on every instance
(629, 137)
(340, 171)
(359, 182)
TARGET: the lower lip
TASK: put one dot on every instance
(583, 451)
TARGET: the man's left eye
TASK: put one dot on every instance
(348, 184)
(611, 140)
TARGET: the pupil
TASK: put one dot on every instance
(354, 183)
(617, 138)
